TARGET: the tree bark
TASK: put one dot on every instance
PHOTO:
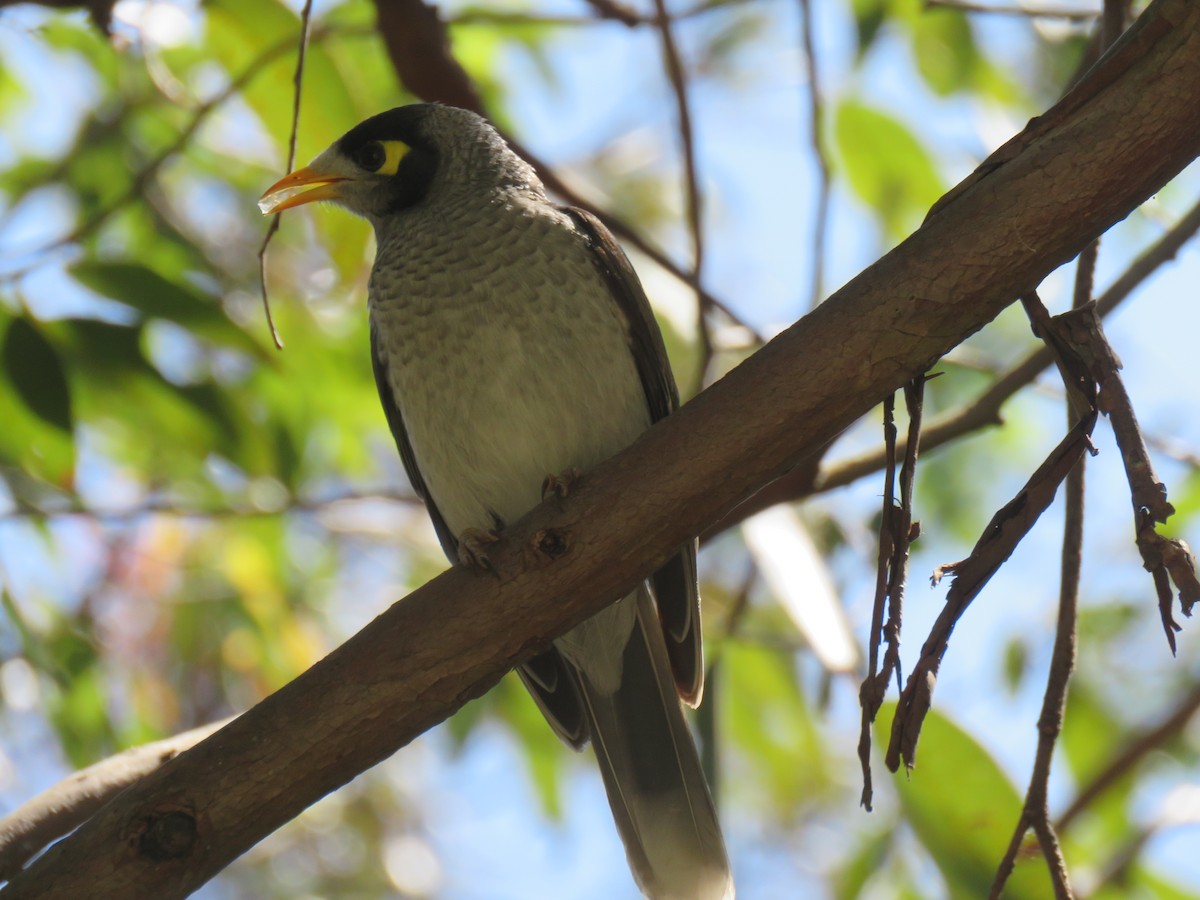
(1126, 130)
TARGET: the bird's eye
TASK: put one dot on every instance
(371, 156)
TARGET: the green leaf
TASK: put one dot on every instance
(770, 719)
(948, 58)
(1016, 663)
(850, 878)
(544, 753)
(155, 296)
(886, 165)
(869, 16)
(1142, 883)
(944, 50)
(1091, 737)
(963, 809)
(36, 372)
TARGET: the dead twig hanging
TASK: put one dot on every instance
(1006, 529)
(297, 81)
(896, 531)
(1169, 561)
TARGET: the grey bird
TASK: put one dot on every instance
(511, 342)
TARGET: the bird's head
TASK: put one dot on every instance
(397, 159)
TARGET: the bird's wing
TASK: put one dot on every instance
(675, 587)
(551, 682)
(395, 420)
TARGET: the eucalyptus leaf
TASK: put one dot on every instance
(36, 371)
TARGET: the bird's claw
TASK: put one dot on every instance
(472, 551)
(560, 484)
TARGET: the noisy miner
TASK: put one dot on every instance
(512, 341)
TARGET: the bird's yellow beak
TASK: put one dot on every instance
(302, 186)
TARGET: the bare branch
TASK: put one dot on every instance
(1035, 813)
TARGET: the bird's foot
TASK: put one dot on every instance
(472, 551)
(560, 484)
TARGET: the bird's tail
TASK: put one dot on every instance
(652, 773)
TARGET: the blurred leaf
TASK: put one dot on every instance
(886, 165)
(82, 38)
(1142, 883)
(851, 877)
(157, 297)
(1090, 733)
(944, 50)
(963, 809)
(1016, 662)
(31, 644)
(79, 715)
(36, 371)
(771, 721)
(12, 91)
(37, 451)
(869, 16)
(544, 753)
(240, 31)
(1091, 736)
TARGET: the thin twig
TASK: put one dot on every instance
(168, 507)
(871, 692)
(693, 201)
(1167, 559)
(1006, 529)
(1035, 813)
(615, 11)
(817, 137)
(985, 410)
(707, 712)
(1030, 12)
(1112, 22)
(606, 13)
(1085, 274)
(1133, 752)
(297, 82)
(897, 531)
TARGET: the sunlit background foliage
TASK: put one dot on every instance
(189, 518)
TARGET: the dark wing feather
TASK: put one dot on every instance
(675, 588)
(395, 420)
(551, 682)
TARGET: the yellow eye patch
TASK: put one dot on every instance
(394, 151)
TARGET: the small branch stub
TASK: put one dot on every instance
(551, 543)
(167, 835)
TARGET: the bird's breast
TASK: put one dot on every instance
(508, 363)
